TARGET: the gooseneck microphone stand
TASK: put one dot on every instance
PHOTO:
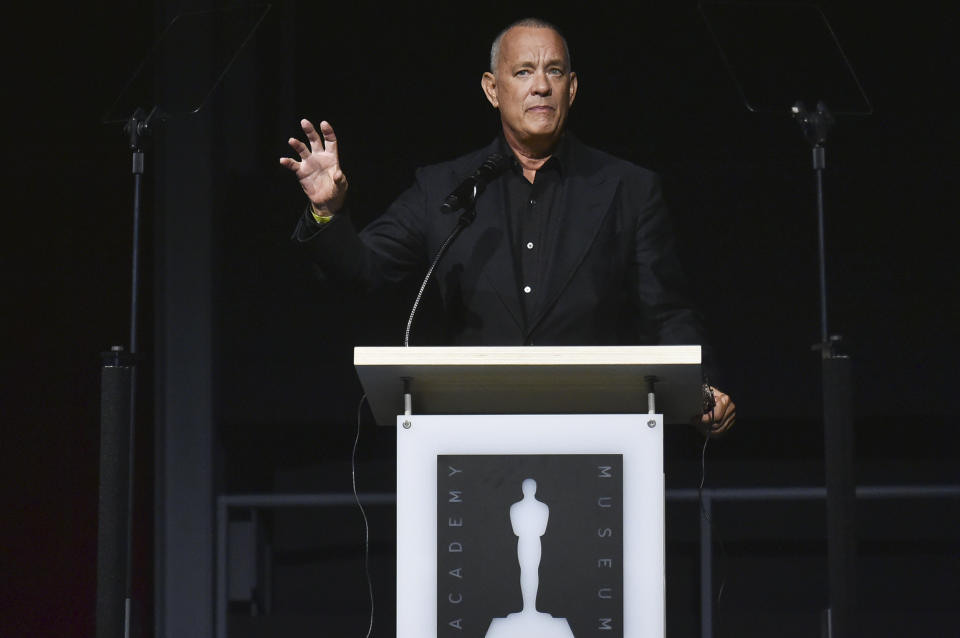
(464, 198)
(466, 218)
(837, 389)
(115, 604)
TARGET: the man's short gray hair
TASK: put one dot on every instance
(536, 23)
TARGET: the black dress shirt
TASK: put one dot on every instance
(532, 209)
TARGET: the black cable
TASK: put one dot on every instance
(706, 517)
(366, 523)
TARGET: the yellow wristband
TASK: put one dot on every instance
(318, 216)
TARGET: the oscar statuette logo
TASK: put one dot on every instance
(529, 545)
(529, 518)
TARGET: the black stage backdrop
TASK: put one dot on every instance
(401, 85)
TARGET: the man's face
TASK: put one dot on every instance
(533, 86)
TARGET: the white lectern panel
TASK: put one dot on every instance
(638, 438)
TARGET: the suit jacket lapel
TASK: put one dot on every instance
(500, 270)
(585, 202)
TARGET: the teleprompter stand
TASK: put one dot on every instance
(175, 54)
(837, 392)
(778, 54)
(481, 430)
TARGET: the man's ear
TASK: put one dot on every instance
(489, 84)
(574, 83)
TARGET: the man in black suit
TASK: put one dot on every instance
(570, 247)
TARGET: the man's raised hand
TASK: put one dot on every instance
(319, 168)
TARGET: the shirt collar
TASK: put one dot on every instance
(559, 160)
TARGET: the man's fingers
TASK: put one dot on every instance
(722, 408)
(324, 140)
(329, 138)
(723, 415)
(731, 418)
(726, 419)
(290, 163)
(299, 148)
(316, 144)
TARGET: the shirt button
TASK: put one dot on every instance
(529, 245)
(533, 202)
(527, 289)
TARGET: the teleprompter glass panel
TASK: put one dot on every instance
(782, 53)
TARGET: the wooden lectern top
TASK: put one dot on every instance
(532, 380)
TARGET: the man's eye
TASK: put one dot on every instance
(523, 72)
(556, 71)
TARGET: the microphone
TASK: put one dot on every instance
(465, 195)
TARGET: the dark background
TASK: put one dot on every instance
(401, 85)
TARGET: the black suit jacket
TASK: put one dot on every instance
(614, 276)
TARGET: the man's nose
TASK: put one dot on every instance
(541, 86)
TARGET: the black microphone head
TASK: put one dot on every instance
(496, 163)
(492, 162)
(465, 193)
